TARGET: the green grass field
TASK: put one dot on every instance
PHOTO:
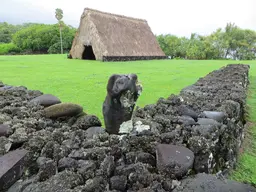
(84, 83)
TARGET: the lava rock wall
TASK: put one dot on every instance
(198, 131)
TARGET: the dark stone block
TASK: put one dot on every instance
(186, 111)
(11, 167)
(173, 160)
(217, 116)
(210, 183)
(186, 120)
(131, 58)
(206, 121)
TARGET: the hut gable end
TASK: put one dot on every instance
(115, 37)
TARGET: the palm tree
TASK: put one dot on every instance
(59, 16)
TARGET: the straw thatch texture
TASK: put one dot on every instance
(115, 36)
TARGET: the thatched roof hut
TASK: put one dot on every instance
(111, 37)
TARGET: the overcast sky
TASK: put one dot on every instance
(179, 17)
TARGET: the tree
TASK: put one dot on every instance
(59, 16)
(42, 38)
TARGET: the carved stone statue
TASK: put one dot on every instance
(122, 94)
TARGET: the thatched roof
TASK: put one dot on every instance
(114, 35)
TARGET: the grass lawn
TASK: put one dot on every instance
(84, 83)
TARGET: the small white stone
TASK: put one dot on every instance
(139, 127)
(126, 127)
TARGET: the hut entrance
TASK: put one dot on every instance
(88, 53)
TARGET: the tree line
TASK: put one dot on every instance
(231, 42)
(32, 38)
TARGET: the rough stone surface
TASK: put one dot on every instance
(86, 121)
(63, 109)
(61, 182)
(4, 130)
(88, 163)
(90, 132)
(20, 185)
(67, 163)
(47, 168)
(12, 166)
(210, 183)
(118, 183)
(46, 100)
(173, 160)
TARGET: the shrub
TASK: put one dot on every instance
(55, 48)
(9, 48)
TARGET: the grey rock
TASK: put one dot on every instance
(12, 166)
(90, 132)
(4, 130)
(60, 182)
(47, 168)
(210, 183)
(63, 110)
(4, 118)
(206, 121)
(205, 130)
(96, 153)
(86, 121)
(20, 136)
(95, 184)
(5, 145)
(108, 166)
(5, 87)
(186, 120)
(173, 160)
(216, 115)
(146, 158)
(86, 168)
(118, 183)
(186, 111)
(46, 100)
(231, 108)
(20, 185)
(1, 84)
(67, 163)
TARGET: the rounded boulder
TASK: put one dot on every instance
(63, 110)
(173, 160)
(46, 100)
